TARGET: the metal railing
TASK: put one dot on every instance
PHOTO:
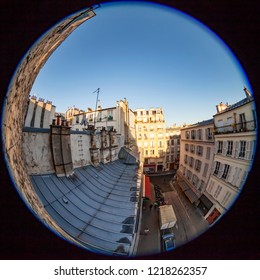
(236, 127)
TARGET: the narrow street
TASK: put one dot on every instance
(190, 222)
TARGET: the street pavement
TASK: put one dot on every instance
(190, 221)
(149, 243)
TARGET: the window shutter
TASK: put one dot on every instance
(216, 147)
(237, 146)
(249, 150)
(221, 170)
(228, 178)
(225, 146)
(243, 179)
(213, 167)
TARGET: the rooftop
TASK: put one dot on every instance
(97, 207)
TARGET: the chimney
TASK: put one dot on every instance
(248, 94)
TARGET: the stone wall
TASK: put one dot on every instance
(16, 104)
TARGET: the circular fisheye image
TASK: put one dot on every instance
(129, 129)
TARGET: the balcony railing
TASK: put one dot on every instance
(238, 127)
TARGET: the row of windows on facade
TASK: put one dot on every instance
(151, 136)
(198, 149)
(149, 112)
(161, 153)
(238, 149)
(150, 128)
(216, 191)
(90, 117)
(153, 144)
(200, 185)
(224, 171)
(172, 158)
(196, 163)
(193, 178)
(198, 134)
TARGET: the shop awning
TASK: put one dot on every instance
(188, 191)
(147, 187)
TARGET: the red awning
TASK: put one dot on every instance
(147, 187)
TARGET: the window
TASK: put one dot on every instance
(110, 115)
(208, 153)
(160, 152)
(208, 134)
(145, 136)
(229, 148)
(199, 133)
(187, 134)
(206, 167)
(167, 158)
(220, 147)
(195, 180)
(191, 161)
(193, 134)
(151, 144)
(160, 144)
(199, 150)
(189, 174)
(217, 168)
(151, 152)
(202, 185)
(146, 152)
(226, 198)
(185, 159)
(198, 165)
(186, 147)
(172, 158)
(145, 144)
(242, 121)
(151, 135)
(172, 142)
(192, 148)
(217, 192)
(242, 150)
(210, 186)
(160, 135)
(172, 150)
(225, 172)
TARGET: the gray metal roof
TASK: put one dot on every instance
(96, 206)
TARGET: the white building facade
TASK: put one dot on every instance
(235, 143)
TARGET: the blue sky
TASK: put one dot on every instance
(152, 55)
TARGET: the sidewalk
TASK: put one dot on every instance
(149, 244)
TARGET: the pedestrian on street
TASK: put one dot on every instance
(151, 206)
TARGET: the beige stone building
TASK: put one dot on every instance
(173, 147)
(151, 138)
(196, 156)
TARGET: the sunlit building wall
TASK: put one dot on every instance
(173, 147)
(235, 142)
(196, 156)
(151, 138)
(120, 118)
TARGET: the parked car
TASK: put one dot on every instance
(168, 240)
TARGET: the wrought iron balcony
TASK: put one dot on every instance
(236, 128)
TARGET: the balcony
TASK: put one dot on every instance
(236, 128)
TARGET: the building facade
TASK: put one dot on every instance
(173, 147)
(196, 157)
(119, 118)
(235, 142)
(151, 138)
